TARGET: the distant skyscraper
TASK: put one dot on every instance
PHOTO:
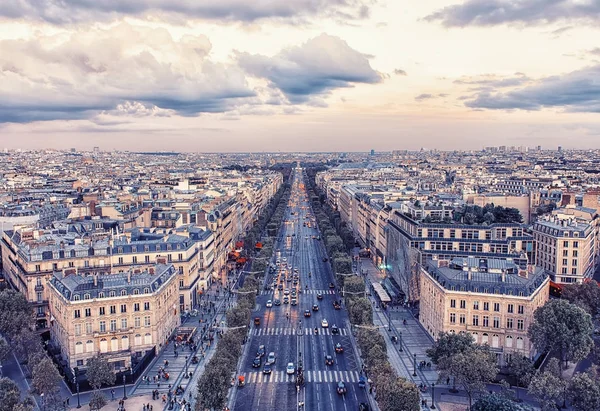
(539, 148)
(372, 152)
(559, 149)
(96, 149)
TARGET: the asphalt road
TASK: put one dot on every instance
(294, 338)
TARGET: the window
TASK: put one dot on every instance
(463, 304)
(476, 320)
(511, 308)
(113, 309)
(102, 326)
(462, 319)
(39, 296)
(146, 291)
(180, 283)
(77, 313)
(476, 305)
(497, 307)
(136, 291)
(519, 343)
(574, 271)
(114, 344)
(76, 297)
(86, 296)
(565, 244)
(113, 325)
(147, 321)
(120, 261)
(123, 308)
(521, 309)
(38, 268)
(100, 295)
(574, 253)
(452, 318)
(89, 328)
(113, 294)
(135, 259)
(148, 338)
(565, 261)
(136, 321)
(136, 307)
(123, 323)
(496, 322)
(89, 346)
(509, 341)
(77, 329)
(574, 262)
(486, 306)
(486, 321)
(484, 338)
(79, 347)
(452, 303)
(509, 323)
(123, 293)
(88, 312)
(180, 256)
(575, 244)
(124, 342)
(146, 306)
(102, 311)
(520, 325)
(138, 339)
(565, 253)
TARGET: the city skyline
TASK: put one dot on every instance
(310, 76)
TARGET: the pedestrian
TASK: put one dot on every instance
(112, 393)
(448, 381)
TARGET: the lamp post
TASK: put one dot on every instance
(124, 388)
(389, 322)
(400, 338)
(414, 365)
(433, 396)
(186, 367)
(77, 389)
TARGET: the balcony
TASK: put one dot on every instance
(39, 287)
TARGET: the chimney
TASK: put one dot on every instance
(128, 276)
(503, 275)
(95, 279)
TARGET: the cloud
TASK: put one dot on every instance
(307, 73)
(126, 69)
(425, 96)
(594, 51)
(578, 91)
(400, 72)
(491, 80)
(497, 12)
(74, 11)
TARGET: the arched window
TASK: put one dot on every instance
(124, 342)
(476, 337)
(484, 338)
(509, 341)
(100, 295)
(123, 293)
(137, 340)
(136, 291)
(79, 347)
(72, 253)
(76, 297)
(114, 344)
(89, 346)
(148, 338)
(520, 343)
(113, 294)
(146, 291)
(86, 296)
(103, 345)
(495, 341)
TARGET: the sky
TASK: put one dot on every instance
(299, 75)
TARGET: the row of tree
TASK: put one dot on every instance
(394, 393)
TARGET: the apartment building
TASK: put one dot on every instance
(493, 300)
(567, 244)
(118, 316)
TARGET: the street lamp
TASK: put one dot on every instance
(124, 388)
(186, 367)
(414, 365)
(433, 396)
(77, 388)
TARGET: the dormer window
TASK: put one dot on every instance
(123, 293)
(112, 294)
(76, 297)
(86, 296)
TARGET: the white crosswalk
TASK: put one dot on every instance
(325, 376)
(294, 331)
(271, 292)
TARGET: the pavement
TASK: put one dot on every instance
(292, 337)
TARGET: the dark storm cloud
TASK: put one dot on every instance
(495, 12)
(74, 11)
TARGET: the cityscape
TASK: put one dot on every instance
(307, 205)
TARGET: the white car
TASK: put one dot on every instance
(271, 358)
(269, 304)
(290, 368)
(286, 292)
(324, 323)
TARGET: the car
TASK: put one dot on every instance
(296, 270)
(341, 388)
(319, 296)
(261, 351)
(294, 301)
(336, 305)
(271, 358)
(334, 329)
(331, 285)
(307, 313)
(294, 292)
(339, 348)
(277, 302)
(286, 300)
(284, 259)
(290, 369)
(286, 292)
(328, 360)
(315, 307)
(267, 369)
(324, 323)
(325, 259)
(256, 363)
(280, 287)
(269, 304)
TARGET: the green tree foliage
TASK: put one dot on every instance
(10, 395)
(237, 317)
(46, 377)
(4, 349)
(360, 311)
(449, 344)
(560, 325)
(586, 296)
(522, 368)
(342, 265)
(472, 214)
(213, 386)
(584, 391)
(97, 400)
(99, 372)
(397, 394)
(548, 387)
(15, 313)
(497, 402)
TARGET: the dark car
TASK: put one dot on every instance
(331, 285)
(307, 313)
(341, 388)
(267, 369)
(325, 259)
(277, 302)
(261, 351)
(337, 305)
(328, 360)
(338, 348)
(319, 296)
(335, 329)
(315, 307)
(256, 363)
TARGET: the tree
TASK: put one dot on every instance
(46, 377)
(10, 394)
(213, 386)
(360, 311)
(397, 394)
(522, 368)
(237, 317)
(586, 296)
(354, 285)
(4, 349)
(15, 313)
(497, 402)
(342, 265)
(584, 391)
(472, 369)
(97, 400)
(548, 387)
(27, 343)
(99, 372)
(449, 344)
(562, 326)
